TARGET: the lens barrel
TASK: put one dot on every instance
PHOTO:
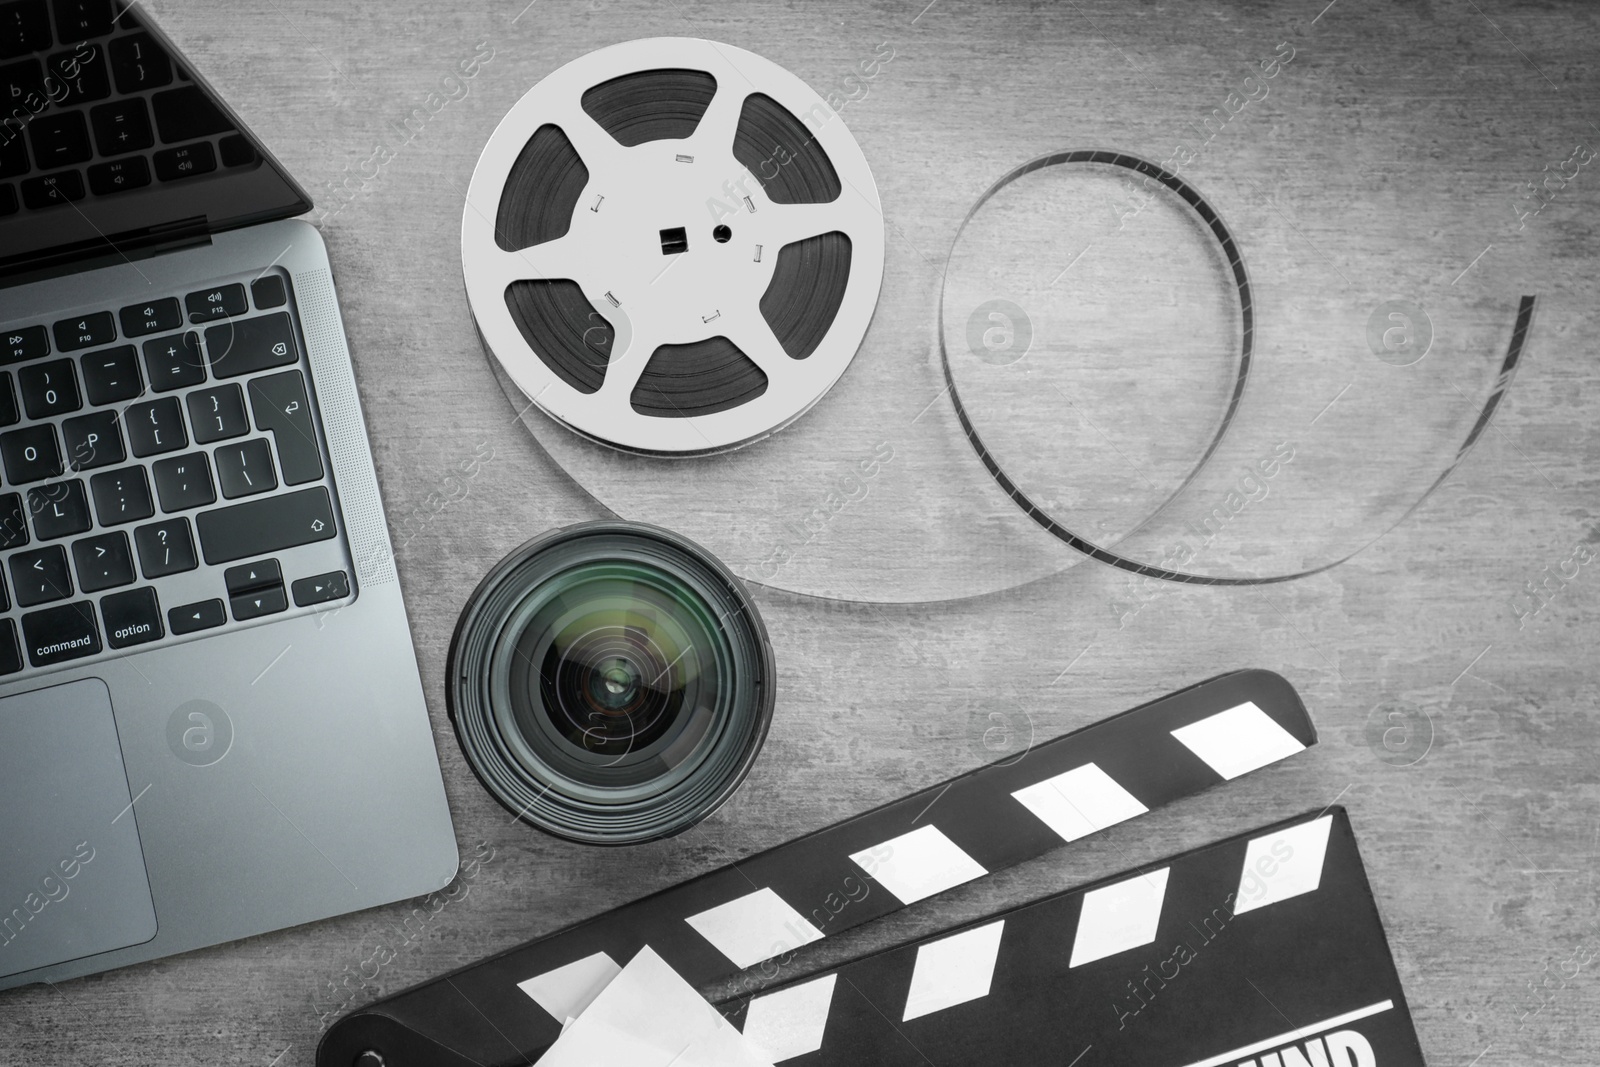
(610, 682)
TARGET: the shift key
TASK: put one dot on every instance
(262, 527)
(244, 346)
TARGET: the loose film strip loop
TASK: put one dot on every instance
(1231, 252)
(1265, 950)
(509, 1008)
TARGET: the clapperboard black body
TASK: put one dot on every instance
(1265, 950)
(509, 1008)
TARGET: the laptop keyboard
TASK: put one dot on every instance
(162, 474)
(92, 106)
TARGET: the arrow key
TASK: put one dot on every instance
(248, 577)
(261, 602)
(191, 617)
(321, 588)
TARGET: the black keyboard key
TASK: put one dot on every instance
(10, 651)
(268, 292)
(79, 76)
(260, 602)
(121, 126)
(247, 577)
(121, 496)
(184, 482)
(280, 405)
(56, 635)
(112, 376)
(9, 415)
(49, 389)
(237, 151)
(174, 362)
(131, 618)
(248, 345)
(24, 28)
(30, 454)
(60, 509)
(13, 155)
(217, 414)
(13, 523)
(93, 441)
(119, 176)
(40, 576)
(26, 342)
(60, 139)
(155, 426)
(219, 302)
(245, 469)
(86, 331)
(138, 63)
(266, 526)
(191, 617)
(321, 588)
(103, 562)
(185, 114)
(165, 548)
(153, 316)
(79, 20)
(8, 201)
(52, 190)
(191, 160)
(22, 91)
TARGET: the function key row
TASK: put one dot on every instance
(23, 343)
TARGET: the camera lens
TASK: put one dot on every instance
(610, 683)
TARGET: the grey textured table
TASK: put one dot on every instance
(1397, 148)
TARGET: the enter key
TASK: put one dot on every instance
(280, 405)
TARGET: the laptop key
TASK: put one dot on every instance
(121, 126)
(86, 331)
(165, 548)
(40, 576)
(184, 482)
(56, 635)
(249, 345)
(174, 362)
(280, 405)
(268, 292)
(251, 576)
(255, 604)
(321, 588)
(52, 190)
(138, 63)
(79, 76)
(132, 618)
(22, 86)
(121, 496)
(103, 562)
(13, 154)
(60, 509)
(151, 317)
(30, 454)
(113, 375)
(266, 526)
(119, 176)
(79, 20)
(217, 414)
(155, 426)
(10, 651)
(220, 302)
(93, 440)
(13, 523)
(49, 389)
(189, 161)
(24, 28)
(8, 200)
(202, 616)
(60, 139)
(245, 469)
(8, 401)
(185, 114)
(237, 151)
(27, 342)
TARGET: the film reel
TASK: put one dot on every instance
(672, 246)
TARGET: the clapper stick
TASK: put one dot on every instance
(509, 1008)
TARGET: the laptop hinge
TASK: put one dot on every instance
(132, 246)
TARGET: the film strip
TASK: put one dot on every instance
(1161, 178)
(672, 246)
(1265, 950)
(509, 1008)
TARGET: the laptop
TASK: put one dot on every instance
(211, 720)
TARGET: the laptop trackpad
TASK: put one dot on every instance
(72, 877)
